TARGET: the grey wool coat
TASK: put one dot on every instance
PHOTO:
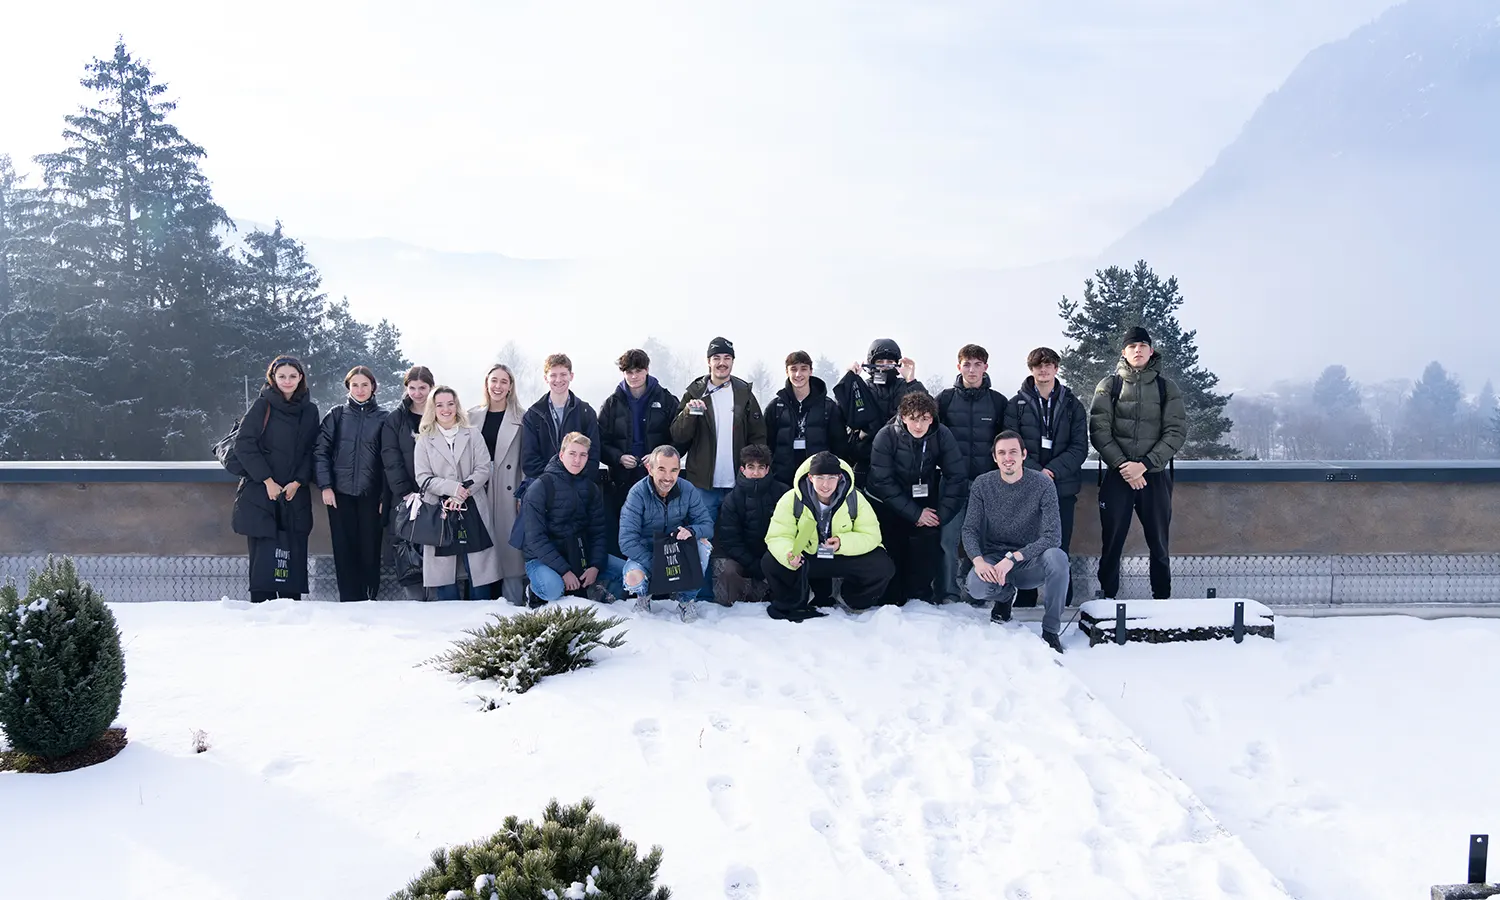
(467, 460)
(505, 477)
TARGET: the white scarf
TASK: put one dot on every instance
(450, 433)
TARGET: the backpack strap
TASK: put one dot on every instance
(1117, 384)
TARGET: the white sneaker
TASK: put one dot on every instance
(688, 609)
(643, 603)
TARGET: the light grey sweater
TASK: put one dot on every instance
(1004, 517)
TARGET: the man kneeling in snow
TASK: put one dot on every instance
(1014, 531)
(824, 528)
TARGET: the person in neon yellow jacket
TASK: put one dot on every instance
(824, 528)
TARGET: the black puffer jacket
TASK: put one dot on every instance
(898, 461)
(347, 456)
(975, 416)
(276, 441)
(866, 409)
(398, 447)
(616, 431)
(541, 439)
(744, 518)
(1070, 434)
(565, 520)
(822, 426)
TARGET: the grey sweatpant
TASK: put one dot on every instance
(1048, 572)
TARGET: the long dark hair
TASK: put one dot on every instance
(294, 362)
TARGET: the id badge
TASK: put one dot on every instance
(799, 443)
(825, 552)
(919, 490)
(1046, 443)
(695, 410)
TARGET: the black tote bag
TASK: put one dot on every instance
(468, 533)
(676, 566)
(279, 564)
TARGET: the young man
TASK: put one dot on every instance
(1053, 426)
(975, 413)
(719, 416)
(868, 394)
(557, 413)
(823, 528)
(917, 479)
(1012, 531)
(802, 420)
(740, 532)
(1137, 422)
(632, 420)
(662, 503)
(565, 523)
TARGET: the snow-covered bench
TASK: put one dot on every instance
(1158, 621)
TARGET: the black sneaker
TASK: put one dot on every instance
(532, 600)
(1003, 603)
(1053, 641)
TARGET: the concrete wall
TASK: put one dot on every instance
(190, 516)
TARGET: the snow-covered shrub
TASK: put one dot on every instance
(574, 854)
(61, 667)
(518, 651)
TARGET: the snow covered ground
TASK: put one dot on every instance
(914, 753)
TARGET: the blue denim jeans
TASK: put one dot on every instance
(713, 498)
(548, 585)
(450, 591)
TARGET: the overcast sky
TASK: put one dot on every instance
(985, 134)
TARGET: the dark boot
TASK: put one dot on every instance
(1053, 641)
(1003, 604)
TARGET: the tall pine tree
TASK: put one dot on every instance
(1114, 301)
(1331, 422)
(1429, 421)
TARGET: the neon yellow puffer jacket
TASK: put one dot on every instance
(790, 534)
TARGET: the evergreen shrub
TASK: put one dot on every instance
(518, 651)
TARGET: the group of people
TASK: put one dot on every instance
(873, 492)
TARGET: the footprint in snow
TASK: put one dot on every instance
(741, 883)
(721, 796)
(648, 734)
(1201, 713)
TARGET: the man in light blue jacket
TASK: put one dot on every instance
(662, 504)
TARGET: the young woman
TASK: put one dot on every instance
(452, 467)
(347, 466)
(499, 423)
(275, 445)
(398, 443)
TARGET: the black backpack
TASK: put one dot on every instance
(224, 448)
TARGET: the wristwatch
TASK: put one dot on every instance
(1010, 556)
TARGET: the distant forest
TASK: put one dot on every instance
(136, 322)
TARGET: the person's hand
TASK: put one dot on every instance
(682, 533)
(329, 499)
(1050, 474)
(908, 369)
(291, 489)
(461, 494)
(453, 503)
(697, 404)
(1136, 483)
(1002, 569)
(833, 543)
(590, 575)
(985, 570)
(855, 367)
(571, 582)
(794, 559)
(628, 461)
(273, 490)
(1132, 471)
(928, 519)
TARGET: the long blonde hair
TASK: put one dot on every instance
(429, 415)
(484, 392)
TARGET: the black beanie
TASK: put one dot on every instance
(825, 463)
(883, 348)
(1137, 335)
(720, 345)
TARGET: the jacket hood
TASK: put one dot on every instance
(816, 387)
(758, 486)
(806, 467)
(958, 383)
(555, 467)
(1145, 374)
(652, 386)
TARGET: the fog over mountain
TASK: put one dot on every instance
(1354, 219)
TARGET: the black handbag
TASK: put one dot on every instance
(424, 523)
(408, 563)
(469, 533)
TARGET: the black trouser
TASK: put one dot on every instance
(1065, 507)
(916, 551)
(865, 577)
(355, 530)
(621, 480)
(1153, 504)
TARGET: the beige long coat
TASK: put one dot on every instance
(468, 459)
(505, 477)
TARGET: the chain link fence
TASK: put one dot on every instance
(1285, 581)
